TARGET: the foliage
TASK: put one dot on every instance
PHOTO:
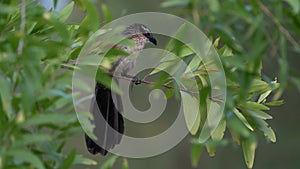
(244, 28)
(37, 114)
(36, 107)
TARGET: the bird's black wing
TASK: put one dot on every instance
(110, 110)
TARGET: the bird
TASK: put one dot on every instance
(111, 109)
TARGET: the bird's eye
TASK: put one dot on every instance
(146, 34)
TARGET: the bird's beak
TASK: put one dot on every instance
(153, 40)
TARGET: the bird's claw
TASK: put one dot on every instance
(136, 80)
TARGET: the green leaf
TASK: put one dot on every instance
(242, 118)
(256, 106)
(106, 13)
(268, 131)
(65, 13)
(196, 153)
(219, 131)
(274, 103)
(211, 149)
(214, 5)
(259, 114)
(31, 139)
(67, 162)
(85, 121)
(191, 112)
(6, 97)
(91, 21)
(295, 4)
(263, 96)
(27, 156)
(172, 3)
(107, 81)
(249, 146)
(125, 164)
(108, 164)
(53, 118)
(236, 127)
(82, 160)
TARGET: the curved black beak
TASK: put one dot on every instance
(151, 38)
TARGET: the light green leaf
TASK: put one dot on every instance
(211, 150)
(106, 13)
(6, 96)
(32, 139)
(191, 112)
(82, 160)
(219, 131)
(242, 118)
(67, 162)
(27, 157)
(214, 5)
(274, 103)
(249, 147)
(91, 21)
(259, 114)
(263, 96)
(52, 118)
(295, 4)
(237, 128)
(108, 164)
(256, 106)
(65, 13)
(172, 3)
(196, 153)
(125, 164)
(268, 131)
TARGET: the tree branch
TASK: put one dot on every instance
(22, 27)
(281, 28)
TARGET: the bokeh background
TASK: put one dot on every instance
(283, 154)
(268, 29)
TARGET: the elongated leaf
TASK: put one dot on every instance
(171, 3)
(108, 164)
(27, 157)
(196, 153)
(275, 103)
(48, 118)
(125, 164)
(65, 13)
(259, 114)
(82, 160)
(106, 13)
(263, 96)
(268, 131)
(242, 118)
(32, 139)
(219, 131)
(256, 106)
(67, 162)
(249, 147)
(191, 112)
(6, 96)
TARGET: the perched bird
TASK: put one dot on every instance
(111, 108)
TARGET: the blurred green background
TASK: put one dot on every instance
(283, 154)
(39, 128)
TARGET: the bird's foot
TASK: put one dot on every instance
(136, 80)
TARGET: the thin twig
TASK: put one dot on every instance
(281, 28)
(22, 27)
(72, 63)
(150, 83)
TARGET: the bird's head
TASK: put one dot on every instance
(139, 33)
